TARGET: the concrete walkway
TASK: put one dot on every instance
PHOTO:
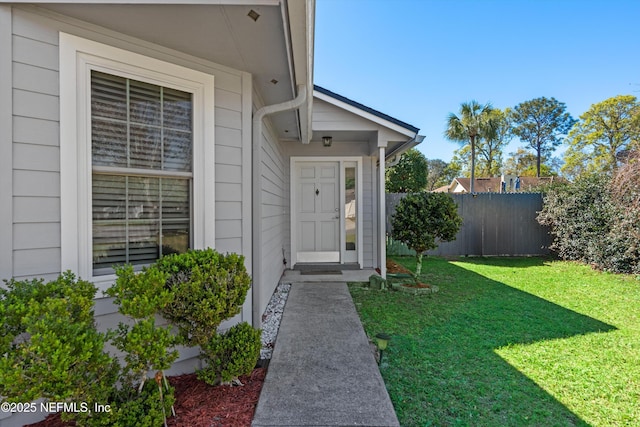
(323, 372)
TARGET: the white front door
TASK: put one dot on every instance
(318, 211)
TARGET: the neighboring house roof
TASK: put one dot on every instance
(367, 109)
(443, 189)
(494, 184)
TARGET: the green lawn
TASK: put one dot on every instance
(510, 342)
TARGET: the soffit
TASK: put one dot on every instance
(222, 34)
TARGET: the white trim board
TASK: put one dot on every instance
(359, 191)
(6, 143)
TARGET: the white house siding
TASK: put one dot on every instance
(345, 149)
(36, 154)
(328, 117)
(35, 163)
(274, 220)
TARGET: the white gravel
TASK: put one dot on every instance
(271, 319)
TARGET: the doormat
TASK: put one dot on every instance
(320, 272)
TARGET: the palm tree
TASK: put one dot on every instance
(475, 122)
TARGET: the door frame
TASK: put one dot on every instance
(341, 178)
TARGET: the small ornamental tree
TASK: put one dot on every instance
(424, 219)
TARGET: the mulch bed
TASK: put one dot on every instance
(393, 267)
(201, 405)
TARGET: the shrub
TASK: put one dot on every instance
(207, 288)
(140, 296)
(422, 219)
(580, 216)
(590, 225)
(141, 409)
(146, 346)
(231, 354)
(49, 343)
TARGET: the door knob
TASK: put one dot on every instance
(317, 191)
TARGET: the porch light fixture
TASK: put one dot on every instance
(253, 15)
(382, 340)
(327, 141)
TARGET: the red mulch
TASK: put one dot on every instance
(201, 405)
(394, 267)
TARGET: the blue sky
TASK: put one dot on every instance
(418, 60)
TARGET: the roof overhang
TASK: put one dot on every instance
(276, 47)
(360, 123)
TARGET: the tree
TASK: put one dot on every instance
(540, 123)
(423, 218)
(409, 175)
(473, 124)
(605, 131)
(490, 147)
(524, 163)
(461, 162)
(439, 174)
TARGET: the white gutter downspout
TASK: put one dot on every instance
(256, 199)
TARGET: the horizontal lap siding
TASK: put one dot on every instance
(36, 148)
(36, 152)
(36, 157)
(275, 225)
(228, 170)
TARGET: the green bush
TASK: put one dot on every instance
(231, 354)
(591, 226)
(207, 288)
(580, 217)
(146, 346)
(50, 348)
(49, 343)
(422, 219)
(140, 409)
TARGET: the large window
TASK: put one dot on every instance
(141, 151)
(136, 158)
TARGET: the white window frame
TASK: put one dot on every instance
(78, 57)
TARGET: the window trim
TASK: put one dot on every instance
(78, 57)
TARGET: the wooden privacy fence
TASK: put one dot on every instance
(493, 224)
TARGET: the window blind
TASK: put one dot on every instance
(141, 135)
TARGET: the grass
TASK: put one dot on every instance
(510, 342)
